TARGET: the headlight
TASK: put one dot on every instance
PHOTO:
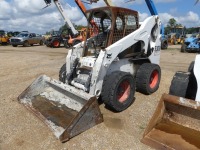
(20, 40)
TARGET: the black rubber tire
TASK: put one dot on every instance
(62, 73)
(14, 45)
(26, 44)
(164, 44)
(53, 44)
(41, 42)
(179, 84)
(111, 87)
(144, 78)
(191, 66)
(183, 48)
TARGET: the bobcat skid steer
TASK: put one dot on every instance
(176, 121)
(122, 58)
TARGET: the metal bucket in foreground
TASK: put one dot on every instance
(66, 110)
(174, 125)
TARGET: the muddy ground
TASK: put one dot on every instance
(21, 130)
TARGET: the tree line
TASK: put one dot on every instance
(173, 27)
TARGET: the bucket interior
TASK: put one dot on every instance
(53, 102)
(178, 127)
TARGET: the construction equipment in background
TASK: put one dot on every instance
(177, 35)
(94, 28)
(191, 44)
(175, 38)
(11, 33)
(180, 38)
(56, 39)
(4, 38)
(164, 39)
(176, 121)
(172, 38)
(73, 38)
(122, 58)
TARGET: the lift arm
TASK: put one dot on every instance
(153, 11)
(108, 2)
(69, 24)
(151, 7)
(81, 6)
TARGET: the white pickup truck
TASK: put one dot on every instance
(26, 39)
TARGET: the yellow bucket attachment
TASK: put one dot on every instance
(65, 109)
(174, 125)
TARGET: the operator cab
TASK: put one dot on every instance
(110, 25)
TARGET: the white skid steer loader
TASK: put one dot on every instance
(122, 58)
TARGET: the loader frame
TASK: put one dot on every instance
(140, 45)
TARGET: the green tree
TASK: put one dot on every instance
(172, 23)
(65, 29)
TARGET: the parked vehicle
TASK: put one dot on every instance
(4, 38)
(26, 39)
(191, 44)
(176, 38)
(11, 33)
(56, 39)
(122, 58)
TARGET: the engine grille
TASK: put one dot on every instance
(15, 40)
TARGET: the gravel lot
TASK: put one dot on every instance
(21, 130)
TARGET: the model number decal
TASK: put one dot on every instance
(157, 50)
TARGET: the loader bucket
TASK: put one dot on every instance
(175, 125)
(65, 109)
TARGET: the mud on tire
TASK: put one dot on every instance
(26, 44)
(62, 73)
(118, 90)
(148, 78)
(183, 48)
(164, 44)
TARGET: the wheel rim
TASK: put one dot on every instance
(56, 43)
(26, 43)
(123, 91)
(153, 79)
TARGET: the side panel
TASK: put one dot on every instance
(197, 75)
(111, 52)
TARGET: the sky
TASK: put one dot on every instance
(28, 15)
